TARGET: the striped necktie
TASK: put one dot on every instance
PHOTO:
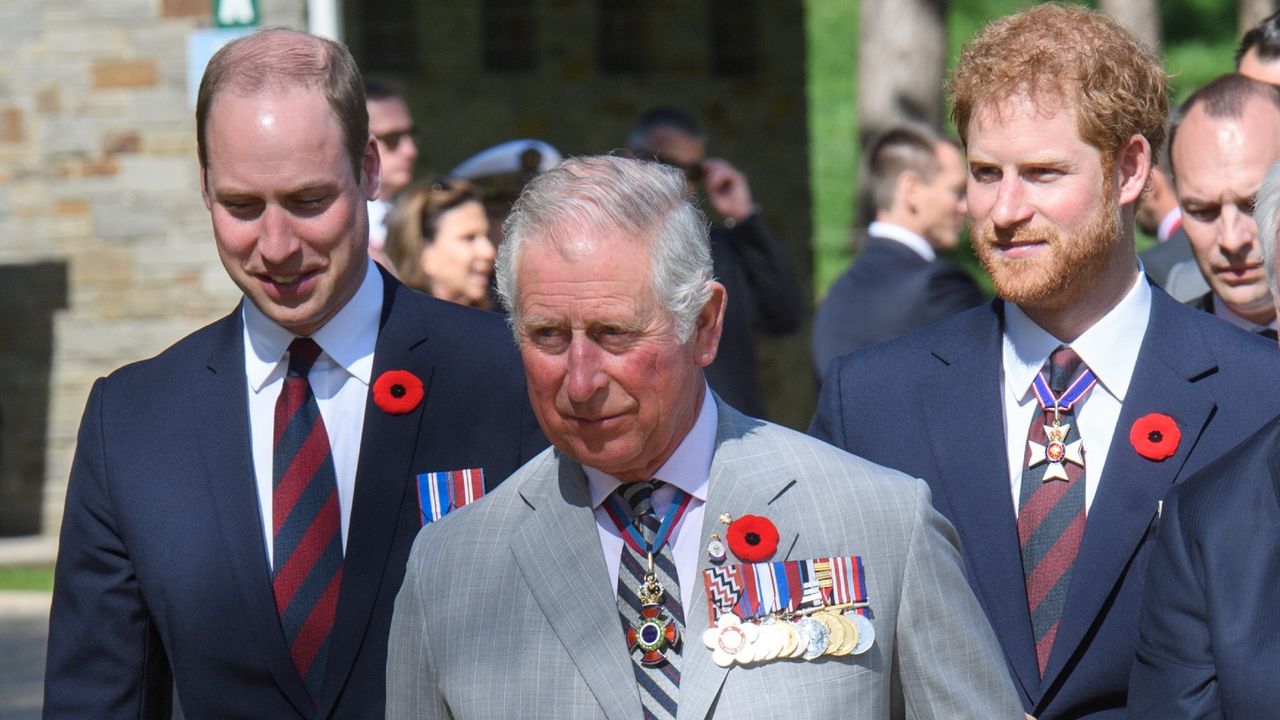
(307, 543)
(1051, 513)
(659, 684)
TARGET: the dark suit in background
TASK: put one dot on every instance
(1209, 637)
(162, 572)
(1160, 259)
(764, 296)
(929, 404)
(889, 291)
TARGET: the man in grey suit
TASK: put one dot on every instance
(580, 588)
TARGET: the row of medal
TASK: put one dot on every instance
(827, 632)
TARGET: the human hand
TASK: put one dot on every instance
(727, 189)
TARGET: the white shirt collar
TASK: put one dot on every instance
(1110, 347)
(1168, 223)
(348, 338)
(893, 231)
(1221, 310)
(688, 468)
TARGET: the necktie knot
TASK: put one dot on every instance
(1063, 366)
(303, 353)
(639, 498)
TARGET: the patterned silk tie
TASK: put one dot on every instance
(307, 544)
(1050, 513)
(659, 685)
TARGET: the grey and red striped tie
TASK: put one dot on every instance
(1051, 515)
(307, 543)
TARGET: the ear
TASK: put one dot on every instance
(904, 195)
(371, 170)
(709, 326)
(1133, 165)
(204, 189)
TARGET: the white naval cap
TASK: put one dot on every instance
(514, 156)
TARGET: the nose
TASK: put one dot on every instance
(1011, 206)
(1238, 233)
(585, 374)
(485, 248)
(276, 239)
(410, 146)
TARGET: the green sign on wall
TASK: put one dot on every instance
(235, 13)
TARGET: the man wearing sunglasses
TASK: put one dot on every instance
(763, 293)
(392, 125)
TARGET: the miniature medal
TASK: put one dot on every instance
(731, 640)
(866, 631)
(715, 550)
(816, 635)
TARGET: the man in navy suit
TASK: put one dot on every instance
(898, 283)
(241, 506)
(1051, 423)
(1228, 135)
(1207, 640)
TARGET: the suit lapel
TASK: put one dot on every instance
(219, 398)
(558, 551)
(963, 414)
(740, 484)
(387, 448)
(1164, 381)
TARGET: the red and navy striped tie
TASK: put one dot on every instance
(307, 544)
(1051, 515)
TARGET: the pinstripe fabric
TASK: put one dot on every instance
(659, 686)
(1051, 516)
(307, 542)
(507, 609)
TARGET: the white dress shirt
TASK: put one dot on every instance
(378, 211)
(1109, 348)
(1221, 310)
(688, 468)
(339, 379)
(897, 233)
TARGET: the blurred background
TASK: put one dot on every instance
(106, 255)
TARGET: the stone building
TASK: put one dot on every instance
(106, 255)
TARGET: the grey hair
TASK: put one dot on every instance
(645, 202)
(1267, 212)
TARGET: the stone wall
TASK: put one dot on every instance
(100, 214)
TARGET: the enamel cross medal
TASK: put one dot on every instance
(655, 631)
(1057, 451)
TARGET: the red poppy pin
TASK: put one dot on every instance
(1155, 436)
(752, 538)
(397, 391)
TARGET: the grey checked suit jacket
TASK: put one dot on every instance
(507, 612)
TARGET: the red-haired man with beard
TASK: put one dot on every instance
(1051, 422)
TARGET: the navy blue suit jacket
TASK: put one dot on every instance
(929, 404)
(162, 571)
(1209, 637)
(888, 292)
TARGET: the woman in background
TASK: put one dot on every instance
(437, 238)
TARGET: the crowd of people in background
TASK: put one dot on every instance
(1061, 502)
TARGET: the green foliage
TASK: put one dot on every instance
(832, 30)
(26, 578)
